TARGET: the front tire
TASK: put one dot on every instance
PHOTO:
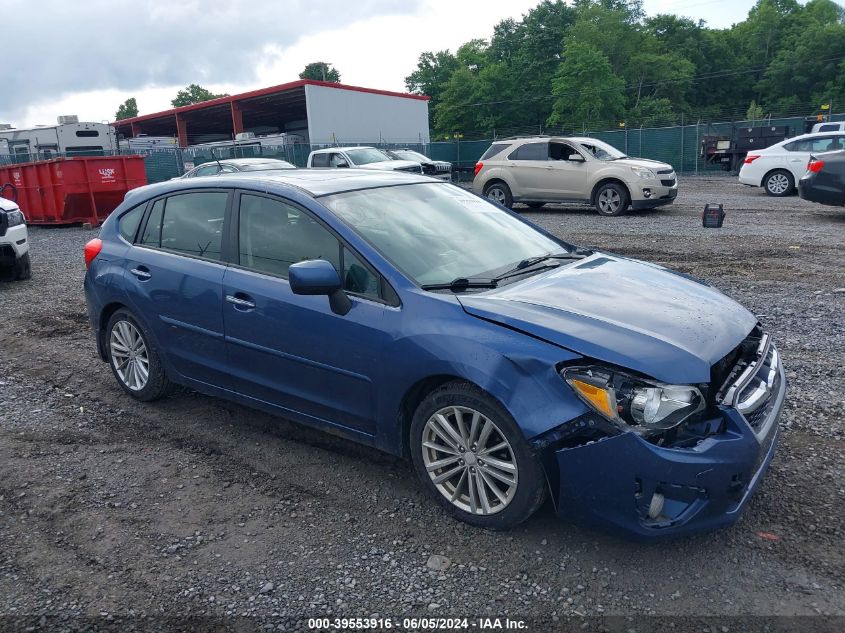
(472, 457)
(133, 359)
(779, 183)
(612, 200)
(499, 192)
(23, 268)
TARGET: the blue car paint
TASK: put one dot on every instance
(508, 341)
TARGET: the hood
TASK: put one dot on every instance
(636, 315)
(392, 165)
(7, 205)
(645, 162)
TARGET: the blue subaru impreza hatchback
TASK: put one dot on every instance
(415, 317)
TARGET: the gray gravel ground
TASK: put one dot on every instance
(196, 506)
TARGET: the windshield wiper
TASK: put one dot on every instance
(528, 263)
(462, 283)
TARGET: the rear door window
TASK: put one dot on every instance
(531, 151)
(188, 223)
(320, 160)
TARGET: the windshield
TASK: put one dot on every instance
(367, 155)
(601, 150)
(408, 154)
(267, 166)
(436, 233)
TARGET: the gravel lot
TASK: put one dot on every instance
(196, 506)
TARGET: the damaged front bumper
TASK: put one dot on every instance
(647, 492)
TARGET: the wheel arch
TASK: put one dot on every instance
(412, 398)
(606, 180)
(105, 315)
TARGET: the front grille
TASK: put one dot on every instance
(665, 172)
(668, 183)
(756, 384)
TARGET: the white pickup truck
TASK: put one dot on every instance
(360, 158)
(14, 240)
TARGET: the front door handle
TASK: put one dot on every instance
(238, 302)
(141, 273)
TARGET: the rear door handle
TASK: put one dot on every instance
(238, 302)
(141, 273)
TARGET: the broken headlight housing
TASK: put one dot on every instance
(634, 403)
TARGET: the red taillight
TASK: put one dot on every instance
(751, 158)
(91, 250)
(815, 165)
(478, 167)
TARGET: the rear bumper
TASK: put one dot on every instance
(809, 190)
(611, 483)
(747, 179)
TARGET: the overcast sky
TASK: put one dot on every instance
(62, 58)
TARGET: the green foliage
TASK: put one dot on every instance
(754, 112)
(320, 71)
(599, 62)
(127, 110)
(194, 94)
(586, 88)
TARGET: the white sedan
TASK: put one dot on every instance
(779, 167)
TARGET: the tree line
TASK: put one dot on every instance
(604, 63)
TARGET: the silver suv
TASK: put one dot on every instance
(538, 170)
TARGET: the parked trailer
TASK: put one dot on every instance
(730, 150)
(44, 142)
(71, 190)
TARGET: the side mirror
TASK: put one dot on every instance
(319, 277)
(342, 163)
(576, 158)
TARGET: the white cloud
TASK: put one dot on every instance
(242, 45)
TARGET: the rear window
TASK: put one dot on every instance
(494, 149)
(829, 127)
(320, 160)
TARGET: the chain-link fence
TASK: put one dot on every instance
(681, 146)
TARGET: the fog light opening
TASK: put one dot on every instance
(655, 507)
(647, 193)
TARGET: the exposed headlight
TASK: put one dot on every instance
(14, 218)
(643, 406)
(644, 173)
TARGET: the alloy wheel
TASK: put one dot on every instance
(496, 195)
(609, 200)
(469, 460)
(777, 184)
(129, 355)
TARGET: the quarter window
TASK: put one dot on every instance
(129, 222)
(531, 151)
(272, 235)
(189, 223)
(357, 278)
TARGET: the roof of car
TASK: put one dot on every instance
(250, 161)
(342, 149)
(315, 182)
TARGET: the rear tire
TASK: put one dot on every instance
(463, 444)
(500, 193)
(611, 200)
(133, 359)
(23, 268)
(779, 183)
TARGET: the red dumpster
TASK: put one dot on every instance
(71, 190)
